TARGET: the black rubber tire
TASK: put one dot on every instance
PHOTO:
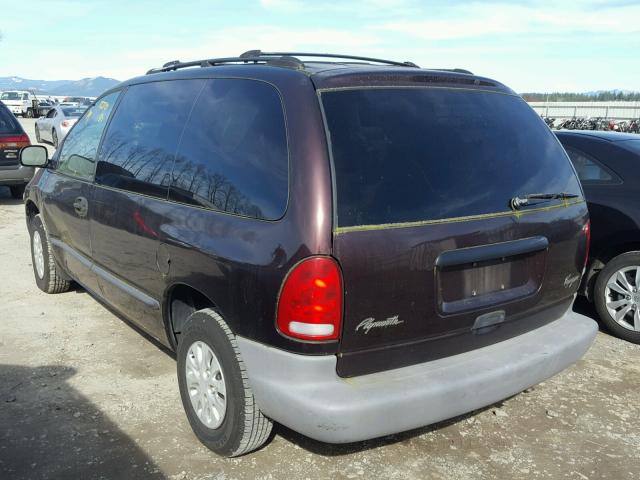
(17, 191)
(38, 138)
(54, 138)
(615, 264)
(29, 113)
(52, 281)
(244, 427)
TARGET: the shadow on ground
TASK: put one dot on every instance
(7, 199)
(49, 430)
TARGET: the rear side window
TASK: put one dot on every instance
(588, 169)
(139, 147)
(233, 154)
(416, 154)
(8, 122)
(78, 152)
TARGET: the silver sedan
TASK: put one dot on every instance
(56, 124)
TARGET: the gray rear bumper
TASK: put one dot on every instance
(305, 393)
(17, 175)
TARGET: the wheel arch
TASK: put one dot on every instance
(180, 301)
(31, 210)
(601, 258)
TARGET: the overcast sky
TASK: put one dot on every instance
(530, 45)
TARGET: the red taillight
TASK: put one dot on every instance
(20, 140)
(310, 303)
(586, 230)
(65, 123)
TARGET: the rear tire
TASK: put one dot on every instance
(239, 426)
(48, 276)
(17, 191)
(603, 294)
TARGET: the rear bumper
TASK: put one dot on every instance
(18, 175)
(305, 393)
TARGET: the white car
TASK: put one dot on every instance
(57, 123)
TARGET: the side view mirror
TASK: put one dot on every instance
(34, 156)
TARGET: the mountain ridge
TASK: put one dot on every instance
(87, 87)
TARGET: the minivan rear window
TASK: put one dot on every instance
(417, 154)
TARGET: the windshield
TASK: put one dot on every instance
(414, 154)
(10, 96)
(73, 112)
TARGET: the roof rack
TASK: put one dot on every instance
(282, 59)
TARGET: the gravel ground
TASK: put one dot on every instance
(84, 395)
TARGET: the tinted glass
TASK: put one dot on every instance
(141, 141)
(8, 122)
(588, 168)
(404, 155)
(78, 152)
(233, 156)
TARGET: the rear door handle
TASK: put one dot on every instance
(81, 206)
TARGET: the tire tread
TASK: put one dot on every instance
(257, 427)
(56, 284)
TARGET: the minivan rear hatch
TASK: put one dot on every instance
(12, 138)
(435, 260)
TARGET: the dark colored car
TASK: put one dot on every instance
(12, 139)
(346, 246)
(608, 165)
(44, 108)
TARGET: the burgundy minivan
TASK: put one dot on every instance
(349, 246)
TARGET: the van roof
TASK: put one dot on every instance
(325, 70)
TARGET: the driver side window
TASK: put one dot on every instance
(78, 154)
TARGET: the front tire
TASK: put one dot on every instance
(48, 276)
(38, 138)
(17, 191)
(54, 138)
(617, 296)
(215, 390)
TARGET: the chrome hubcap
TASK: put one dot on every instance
(38, 255)
(622, 297)
(205, 384)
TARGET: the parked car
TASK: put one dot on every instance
(349, 249)
(20, 102)
(56, 124)
(80, 101)
(608, 165)
(43, 108)
(12, 139)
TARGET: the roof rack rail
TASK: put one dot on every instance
(254, 53)
(282, 59)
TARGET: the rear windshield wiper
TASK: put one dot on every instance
(518, 202)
